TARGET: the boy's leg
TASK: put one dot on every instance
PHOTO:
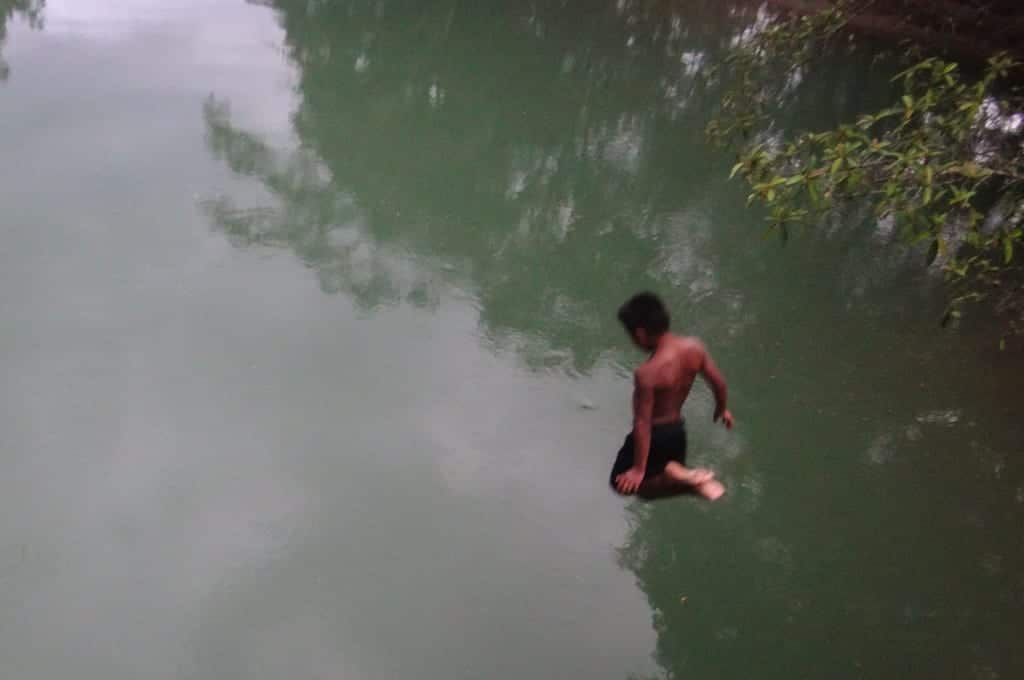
(677, 479)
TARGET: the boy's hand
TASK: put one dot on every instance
(726, 418)
(629, 481)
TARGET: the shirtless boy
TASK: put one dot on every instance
(652, 461)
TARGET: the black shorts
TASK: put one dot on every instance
(668, 443)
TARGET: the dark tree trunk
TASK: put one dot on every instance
(971, 30)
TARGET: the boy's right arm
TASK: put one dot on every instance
(714, 378)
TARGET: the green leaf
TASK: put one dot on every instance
(933, 252)
(972, 170)
(908, 101)
(736, 168)
(927, 195)
(962, 197)
(1007, 249)
(836, 166)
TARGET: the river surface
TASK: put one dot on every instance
(311, 367)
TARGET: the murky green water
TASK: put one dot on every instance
(311, 368)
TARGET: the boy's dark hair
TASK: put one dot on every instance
(644, 310)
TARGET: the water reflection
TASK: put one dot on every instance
(29, 10)
(310, 215)
(550, 152)
(547, 151)
(548, 161)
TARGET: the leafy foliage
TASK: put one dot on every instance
(944, 164)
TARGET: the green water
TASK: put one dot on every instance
(311, 368)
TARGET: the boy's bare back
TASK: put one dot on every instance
(670, 372)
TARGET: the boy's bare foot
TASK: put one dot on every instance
(702, 480)
(711, 489)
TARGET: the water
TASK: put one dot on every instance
(311, 367)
